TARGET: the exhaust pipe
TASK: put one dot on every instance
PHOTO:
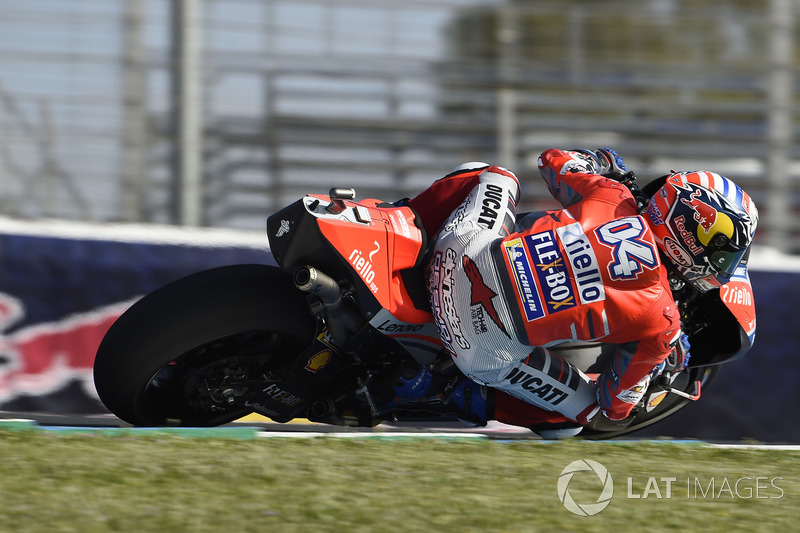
(309, 279)
(343, 321)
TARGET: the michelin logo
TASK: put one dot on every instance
(523, 276)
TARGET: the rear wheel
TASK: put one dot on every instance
(180, 354)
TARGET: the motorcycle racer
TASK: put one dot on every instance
(503, 293)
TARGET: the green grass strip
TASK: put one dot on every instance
(53, 481)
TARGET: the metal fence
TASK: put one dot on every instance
(218, 112)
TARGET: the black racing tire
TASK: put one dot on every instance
(669, 406)
(233, 311)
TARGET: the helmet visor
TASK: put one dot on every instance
(721, 263)
(725, 262)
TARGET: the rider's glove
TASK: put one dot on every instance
(610, 164)
(604, 161)
(682, 355)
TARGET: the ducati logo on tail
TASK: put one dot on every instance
(481, 294)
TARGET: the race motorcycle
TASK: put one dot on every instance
(319, 336)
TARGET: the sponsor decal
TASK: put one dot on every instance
(704, 214)
(398, 327)
(436, 302)
(283, 229)
(478, 320)
(400, 224)
(535, 385)
(326, 338)
(738, 296)
(44, 358)
(444, 311)
(481, 293)
(635, 393)
(262, 410)
(448, 301)
(364, 267)
(551, 271)
(491, 202)
(458, 216)
(654, 214)
(687, 236)
(585, 267)
(655, 399)
(736, 293)
(319, 361)
(375, 251)
(677, 253)
(632, 252)
(279, 395)
(523, 276)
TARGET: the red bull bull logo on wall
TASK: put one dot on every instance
(60, 294)
(42, 359)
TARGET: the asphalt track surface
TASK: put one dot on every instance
(255, 426)
(263, 427)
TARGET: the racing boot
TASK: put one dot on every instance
(420, 389)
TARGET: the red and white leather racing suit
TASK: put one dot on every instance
(502, 293)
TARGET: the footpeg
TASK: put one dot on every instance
(664, 383)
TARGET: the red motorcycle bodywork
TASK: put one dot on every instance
(384, 242)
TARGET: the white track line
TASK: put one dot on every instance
(772, 447)
(387, 435)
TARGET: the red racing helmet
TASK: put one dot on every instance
(704, 223)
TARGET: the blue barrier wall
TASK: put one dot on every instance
(58, 296)
(756, 396)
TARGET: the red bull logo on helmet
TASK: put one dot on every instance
(704, 214)
(709, 220)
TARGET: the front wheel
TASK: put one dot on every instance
(668, 405)
(171, 358)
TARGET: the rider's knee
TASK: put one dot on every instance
(486, 369)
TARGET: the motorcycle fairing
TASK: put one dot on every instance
(378, 250)
(374, 244)
(729, 319)
(737, 295)
(421, 340)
